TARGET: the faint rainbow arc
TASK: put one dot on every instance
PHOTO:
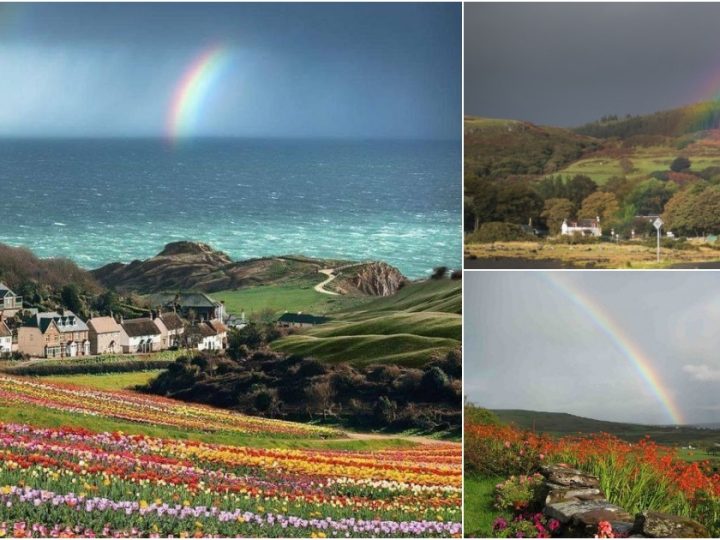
(192, 89)
(622, 342)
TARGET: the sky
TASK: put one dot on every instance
(292, 70)
(531, 345)
(568, 64)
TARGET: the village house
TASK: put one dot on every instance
(207, 336)
(104, 333)
(140, 336)
(300, 320)
(172, 329)
(41, 338)
(10, 303)
(74, 337)
(585, 227)
(5, 339)
(193, 306)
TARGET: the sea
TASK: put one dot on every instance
(103, 200)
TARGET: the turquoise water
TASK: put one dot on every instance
(98, 201)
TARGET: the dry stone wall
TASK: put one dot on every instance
(577, 501)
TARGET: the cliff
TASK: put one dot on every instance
(192, 265)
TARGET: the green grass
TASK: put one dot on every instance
(296, 296)
(427, 324)
(409, 328)
(107, 381)
(478, 511)
(402, 349)
(443, 295)
(42, 417)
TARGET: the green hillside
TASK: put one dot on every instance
(496, 148)
(568, 424)
(409, 328)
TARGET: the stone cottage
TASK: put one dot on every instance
(104, 335)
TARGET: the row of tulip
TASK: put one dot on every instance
(145, 409)
(58, 482)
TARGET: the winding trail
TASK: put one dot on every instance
(331, 275)
(320, 287)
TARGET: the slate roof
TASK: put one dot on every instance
(104, 325)
(186, 300)
(67, 322)
(142, 326)
(302, 318)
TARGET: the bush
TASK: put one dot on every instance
(496, 231)
(517, 492)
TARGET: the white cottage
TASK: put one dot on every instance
(585, 227)
(140, 336)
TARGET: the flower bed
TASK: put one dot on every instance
(637, 476)
(71, 482)
(146, 409)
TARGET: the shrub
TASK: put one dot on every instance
(517, 492)
(496, 231)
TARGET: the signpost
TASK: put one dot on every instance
(658, 223)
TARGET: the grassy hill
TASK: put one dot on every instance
(498, 148)
(568, 424)
(409, 328)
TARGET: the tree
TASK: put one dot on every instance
(70, 297)
(694, 211)
(649, 197)
(517, 203)
(579, 188)
(680, 164)
(556, 210)
(599, 204)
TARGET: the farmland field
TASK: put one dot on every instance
(285, 479)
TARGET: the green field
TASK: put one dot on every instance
(409, 328)
(478, 511)
(107, 381)
(296, 296)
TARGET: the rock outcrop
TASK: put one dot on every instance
(371, 279)
(196, 266)
(576, 500)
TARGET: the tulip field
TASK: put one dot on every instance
(73, 482)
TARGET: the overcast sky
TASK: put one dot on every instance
(368, 70)
(567, 64)
(528, 346)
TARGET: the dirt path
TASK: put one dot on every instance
(418, 439)
(320, 287)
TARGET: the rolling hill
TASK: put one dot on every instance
(410, 328)
(567, 424)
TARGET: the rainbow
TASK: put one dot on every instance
(192, 89)
(623, 343)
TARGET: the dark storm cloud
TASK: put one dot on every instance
(541, 341)
(357, 70)
(566, 64)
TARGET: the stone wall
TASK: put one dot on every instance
(576, 500)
